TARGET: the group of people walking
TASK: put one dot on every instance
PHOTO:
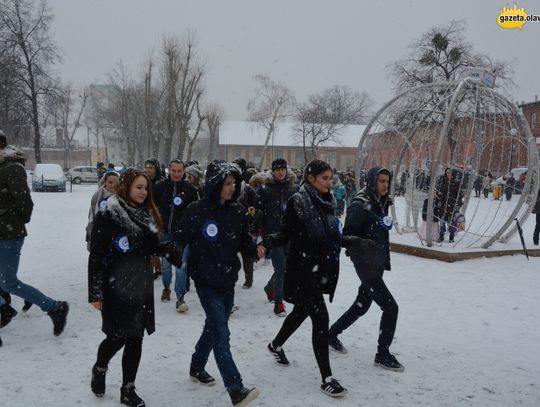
(200, 228)
(207, 229)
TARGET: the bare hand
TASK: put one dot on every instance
(97, 305)
(261, 251)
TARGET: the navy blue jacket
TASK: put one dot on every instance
(366, 219)
(215, 232)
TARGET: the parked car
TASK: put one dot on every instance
(83, 174)
(48, 177)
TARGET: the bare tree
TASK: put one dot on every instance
(193, 137)
(26, 32)
(272, 102)
(64, 106)
(214, 116)
(442, 54)
(324, 115)
(182, 77)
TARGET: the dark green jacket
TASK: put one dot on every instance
(15, 201)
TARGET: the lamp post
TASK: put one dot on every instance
(513, 133)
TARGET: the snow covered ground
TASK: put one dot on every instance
(468, 334)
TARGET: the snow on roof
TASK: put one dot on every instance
(249, 133)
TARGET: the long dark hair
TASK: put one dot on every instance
(316, 167)
(126, 180)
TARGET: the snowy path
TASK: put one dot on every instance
(467, 334)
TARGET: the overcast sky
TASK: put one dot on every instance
(306, 44)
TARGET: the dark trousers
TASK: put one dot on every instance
(130, 359)
(371, 289)
(217, 305)
(247, 264)
(536, 232)
(316, 310)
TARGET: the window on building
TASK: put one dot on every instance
(533, 120)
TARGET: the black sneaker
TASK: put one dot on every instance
(247, 284)
(26, 306)
(388, 361)
(59, 317)
(244, 396)
(201, 376)
(332, 388)
(279, 354)
(98, 381)
(129, 397)
(335, 344)
(166, 295)
(7, 312)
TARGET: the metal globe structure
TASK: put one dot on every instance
(472, 130)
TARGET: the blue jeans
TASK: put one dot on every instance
(180, 273)
(10, 253)
(278, 255)
(217, 306)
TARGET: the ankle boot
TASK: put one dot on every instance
(129, 397)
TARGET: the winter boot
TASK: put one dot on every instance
(332, 388)
(98, 381)
(166, 295)
(247, 284)
(388, 361)
(244, 396)
(202, 377)
(129, 397)
(7, 312)
(59, 317)
(279, 354)
(181, 305)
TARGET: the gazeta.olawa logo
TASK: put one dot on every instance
(514, 17)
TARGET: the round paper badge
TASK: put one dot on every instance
(102, 203)
(387, 222)
(210, 230)
(121, 243)
(177, 201)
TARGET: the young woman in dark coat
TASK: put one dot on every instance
(311, 227)
(124, 236)
(216, 229)
(366, 236)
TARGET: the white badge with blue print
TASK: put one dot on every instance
(210, 230)
(121, 243)
(177, 201)
(387, 222)
(102, 203)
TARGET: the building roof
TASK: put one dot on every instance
(530, 104)
(250, 134)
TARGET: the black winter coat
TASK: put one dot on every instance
(119, 269)
(215, 232)
(312, 229)
(367, 218)
(449, 197)
(15, 202)
(172, 198)
(273, 201)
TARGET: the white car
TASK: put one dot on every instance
(83, 174)
(48, 177)
(516, 172)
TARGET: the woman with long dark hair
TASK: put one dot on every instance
(124, 236)
(311, 227)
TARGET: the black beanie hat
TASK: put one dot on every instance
(279, 163)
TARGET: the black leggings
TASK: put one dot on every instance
(130, 359)
(316, 310)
